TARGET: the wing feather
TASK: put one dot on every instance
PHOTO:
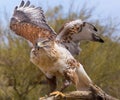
(29, 22)
(27, 4)
(74, 31)
(22, 3)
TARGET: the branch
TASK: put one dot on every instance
(96, 93)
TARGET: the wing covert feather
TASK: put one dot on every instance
(29, 22)
(75, 31)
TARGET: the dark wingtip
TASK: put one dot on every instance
(15, 8)
(22, 3)
(27, 4)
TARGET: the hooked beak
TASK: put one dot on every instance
(97, 38)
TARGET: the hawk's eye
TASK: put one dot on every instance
(40, 44)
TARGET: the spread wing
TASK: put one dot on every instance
(29, 22)
(73, 32)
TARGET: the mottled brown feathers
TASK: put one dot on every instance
(31, 32)
(30, 23)
(72, 63)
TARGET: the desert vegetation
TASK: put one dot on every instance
(21, 80)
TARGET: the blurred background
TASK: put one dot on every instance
(21, 80)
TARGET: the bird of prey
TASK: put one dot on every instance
(53, 53)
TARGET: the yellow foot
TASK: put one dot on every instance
(57, 93)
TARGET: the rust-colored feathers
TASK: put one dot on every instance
(30, 23)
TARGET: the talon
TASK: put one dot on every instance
(57, 93)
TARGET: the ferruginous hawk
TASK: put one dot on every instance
(53, 53)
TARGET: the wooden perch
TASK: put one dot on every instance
(95, 94)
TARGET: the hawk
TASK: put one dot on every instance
(54, 53)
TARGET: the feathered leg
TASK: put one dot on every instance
(97, 92)
(73, 76)
(52, 83)
(56, 93)
(79, 77)
(66, 83)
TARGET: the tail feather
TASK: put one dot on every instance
(83, 83)
(84, 80)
